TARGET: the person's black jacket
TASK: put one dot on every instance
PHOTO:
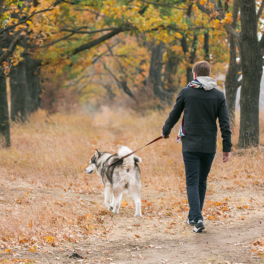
(201, 109)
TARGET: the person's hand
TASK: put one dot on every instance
(226, 156)
(164, 136)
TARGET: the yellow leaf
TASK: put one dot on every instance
(124, 203)
(50, 239)
(8, 251)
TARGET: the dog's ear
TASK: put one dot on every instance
(97, 154)
(137, 159)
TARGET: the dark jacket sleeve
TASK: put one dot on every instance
(174, 115)
(225, 126)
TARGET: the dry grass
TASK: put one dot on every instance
(46, 198)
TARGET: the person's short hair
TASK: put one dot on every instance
(202, 68)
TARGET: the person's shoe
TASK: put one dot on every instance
(190, 222)
(199, 227)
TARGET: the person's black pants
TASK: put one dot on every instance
(197, 167)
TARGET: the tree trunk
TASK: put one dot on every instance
(206, 46)
(189, 74)
(35, 89)
(231, 81)
(19, 92)
(232, 76)
(4, 114)
(32, 74)
(155, 71)
(170, 71)
(251, 61)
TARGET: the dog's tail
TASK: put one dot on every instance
(129, 161)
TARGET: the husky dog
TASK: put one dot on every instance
(119, 178)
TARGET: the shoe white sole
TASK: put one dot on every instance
(198, 229)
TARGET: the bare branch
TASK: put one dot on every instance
(260, 10)
(178, 29)
(165, 5)
(121, 84)
(231, 30)
(111, 74)
(54, 42)
(95, 31)
(203, 8)
(235, 13)
(227, 27)
(99, 56)
(73, 3)
(97, 41)
(11, 48)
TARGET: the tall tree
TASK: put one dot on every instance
(206, 46)
(4, 114)
(20, 96)
(251, 53)
(190, 56)
(251, 61)
(232, 76)
(12, 31)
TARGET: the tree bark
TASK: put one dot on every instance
(35, 90)
(170, 71)
(19, 92)
(4, 113)
(32, 74)
(156, 78)
(251, 61)
(192, 57)
(231, 81)
(206, 46)
(155, 71)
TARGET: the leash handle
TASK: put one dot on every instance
(156, 139)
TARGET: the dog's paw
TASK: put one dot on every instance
(139, 215)
(110, 207)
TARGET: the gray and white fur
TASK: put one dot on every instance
(119, 178)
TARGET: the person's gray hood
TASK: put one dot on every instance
(207, 82)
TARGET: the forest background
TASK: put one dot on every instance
(83, 74)
(135, 53)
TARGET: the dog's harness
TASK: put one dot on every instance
(106, 167)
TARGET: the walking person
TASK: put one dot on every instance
(202, 104)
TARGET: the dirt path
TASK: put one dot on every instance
(154, 238)
(217, 244)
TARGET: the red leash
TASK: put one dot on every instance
(158, 138)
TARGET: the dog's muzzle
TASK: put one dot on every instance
(90, 169)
